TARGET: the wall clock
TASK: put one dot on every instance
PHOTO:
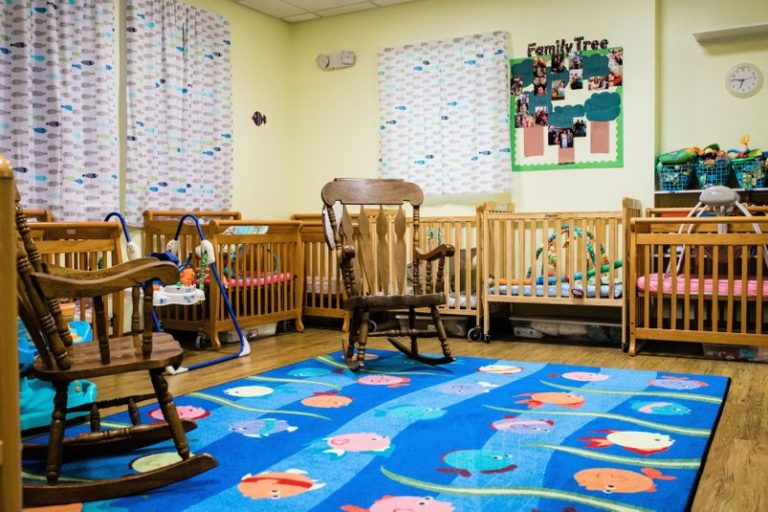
(744, 80)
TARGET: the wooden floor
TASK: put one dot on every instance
(734, 478)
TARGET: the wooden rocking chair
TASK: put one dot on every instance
(61, 362)
(374, 280)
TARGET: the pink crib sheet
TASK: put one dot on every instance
(722, 285)
(245, 282)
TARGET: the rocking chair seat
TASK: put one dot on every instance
(386, 302)
(86, 361)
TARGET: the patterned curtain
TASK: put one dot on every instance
(58, 115)
(179, 149)
(444, 112)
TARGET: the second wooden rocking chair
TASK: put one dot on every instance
(372, 259)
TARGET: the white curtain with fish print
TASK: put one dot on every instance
(58, 114)
(444, 114)
(179, 148)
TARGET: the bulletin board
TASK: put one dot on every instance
(566, 110)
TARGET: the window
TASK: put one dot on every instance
(444, 111)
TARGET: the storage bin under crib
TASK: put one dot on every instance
(702, 286)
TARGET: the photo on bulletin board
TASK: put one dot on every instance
(566, 110)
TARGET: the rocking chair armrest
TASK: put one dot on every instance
(70, 273)
(441, 251)
(60, 286)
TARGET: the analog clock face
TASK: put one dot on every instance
(743, 80)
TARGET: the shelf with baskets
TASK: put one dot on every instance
(676, 183)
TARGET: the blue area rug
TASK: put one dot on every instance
(477, 435)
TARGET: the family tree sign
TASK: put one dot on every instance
(566, 106)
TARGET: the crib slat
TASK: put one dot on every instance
(647, 281)
(744, 304)
(509, 248)
(687, 287)
(660, 284)
(715, 282)
(701, 264)
(759, 300)
(673, 295)
(729, 300)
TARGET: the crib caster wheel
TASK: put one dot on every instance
(475, 334)
(201, 341)
(487, 338)
(625, 347)
(372, 326)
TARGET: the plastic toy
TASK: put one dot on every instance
(36, 396)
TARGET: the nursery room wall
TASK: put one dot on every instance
(336, 113)
(695, 108)
(261, 47)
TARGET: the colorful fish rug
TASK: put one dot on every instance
(476, 435)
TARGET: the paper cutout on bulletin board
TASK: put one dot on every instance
(567, 111)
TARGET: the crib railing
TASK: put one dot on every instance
(83, 246)
(698, 284)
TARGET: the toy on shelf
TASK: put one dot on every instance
(712, 167)
(748, 165)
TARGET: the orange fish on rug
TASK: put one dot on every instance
(554, 398)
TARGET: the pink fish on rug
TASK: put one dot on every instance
(611, 480)
(644, 443)
(390, 381)
(186, 412)
(358, 442)
(403, 504)
(554, 398)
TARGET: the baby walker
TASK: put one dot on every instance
(186, 293)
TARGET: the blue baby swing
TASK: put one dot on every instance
(186, 295)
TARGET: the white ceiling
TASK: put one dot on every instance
(294, 11)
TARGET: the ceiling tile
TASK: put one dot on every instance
(320, 5)
(276, 8)
(390, 2)
(362, 6)
(301, 17)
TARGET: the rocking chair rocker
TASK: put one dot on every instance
(378, 283)
(61, 362)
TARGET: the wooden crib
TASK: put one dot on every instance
(700, 287)
(260, 264)
(324, 291)
(83, 246)
(563, 258)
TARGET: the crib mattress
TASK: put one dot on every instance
(564, 289)
(709, 285)
(247, 282)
